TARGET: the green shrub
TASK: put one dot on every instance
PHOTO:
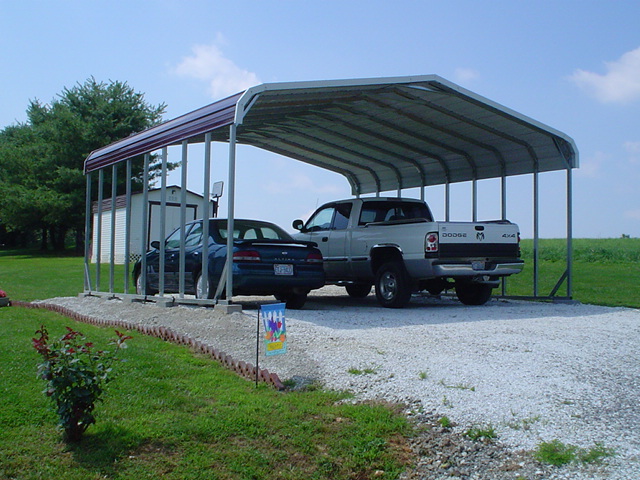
(76, 374)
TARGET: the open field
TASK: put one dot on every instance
(606, 272)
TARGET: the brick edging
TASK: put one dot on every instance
(242, 368)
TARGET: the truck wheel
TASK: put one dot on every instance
(358, 290)
(473, 293)
(393, 287)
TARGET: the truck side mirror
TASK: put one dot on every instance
(155, 244)
(298, 224)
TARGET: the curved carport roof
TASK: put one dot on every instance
(382, 134)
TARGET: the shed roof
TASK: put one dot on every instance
(382, 134)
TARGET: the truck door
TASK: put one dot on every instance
(328, 228)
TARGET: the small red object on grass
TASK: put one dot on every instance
(4, 300)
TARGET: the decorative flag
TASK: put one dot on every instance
(275, 337)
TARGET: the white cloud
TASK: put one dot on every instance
(209, 64)
(465, 75)
(621, 83)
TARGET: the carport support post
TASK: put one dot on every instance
(87, 236)
(163, 221)
(183, 217)
(146, 224)
(112, 251)
(99, 227)
(127, 228)
(536, 233)
(569, 233)
(205, 216)
(447, 201)
(503, 209)
(231, 212)
(474, 200)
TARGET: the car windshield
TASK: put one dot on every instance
(247, 230)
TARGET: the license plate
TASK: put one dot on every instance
(283, 269)
(478, 265)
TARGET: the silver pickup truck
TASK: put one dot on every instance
(394, 244)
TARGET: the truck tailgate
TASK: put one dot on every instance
(471, 239)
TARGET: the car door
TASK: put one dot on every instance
(328, 228)
(172, 261)
(193, 255)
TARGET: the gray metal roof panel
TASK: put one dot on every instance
(381, 134)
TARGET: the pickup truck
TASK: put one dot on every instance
(394, 244)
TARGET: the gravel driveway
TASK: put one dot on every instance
(534, 371)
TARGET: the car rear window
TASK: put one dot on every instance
(386, 211)
(248, 230)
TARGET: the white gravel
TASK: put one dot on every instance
(534, 371)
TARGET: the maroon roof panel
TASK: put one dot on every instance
(189, 126)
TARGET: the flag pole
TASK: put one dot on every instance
(257, 347)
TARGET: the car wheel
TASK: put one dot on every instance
(473, 293)
(358, 290)
(393, 286)
(200, 285)
(294, 301)
(140, 290)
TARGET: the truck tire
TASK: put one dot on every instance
(358, 290)
(393, 286)
(473, 293)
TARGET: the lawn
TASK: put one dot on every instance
(173, 414)
(605, 271)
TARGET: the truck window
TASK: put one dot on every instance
(321, 220)
(334, 217)
(341, 218)
(384, 211)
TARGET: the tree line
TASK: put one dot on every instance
(42, 182)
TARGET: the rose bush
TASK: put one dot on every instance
(76, 374)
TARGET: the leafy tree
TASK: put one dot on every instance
(42, 160)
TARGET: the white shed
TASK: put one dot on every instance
(152, 223)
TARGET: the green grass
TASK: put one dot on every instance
(605, 271)
(558, 453)
(478, 433)
(172, 414)
(364, 371)
(32, 275)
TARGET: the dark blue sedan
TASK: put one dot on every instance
(266, 261)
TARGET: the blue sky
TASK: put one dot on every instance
(574, 65)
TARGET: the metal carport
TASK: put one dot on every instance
(381, 134)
